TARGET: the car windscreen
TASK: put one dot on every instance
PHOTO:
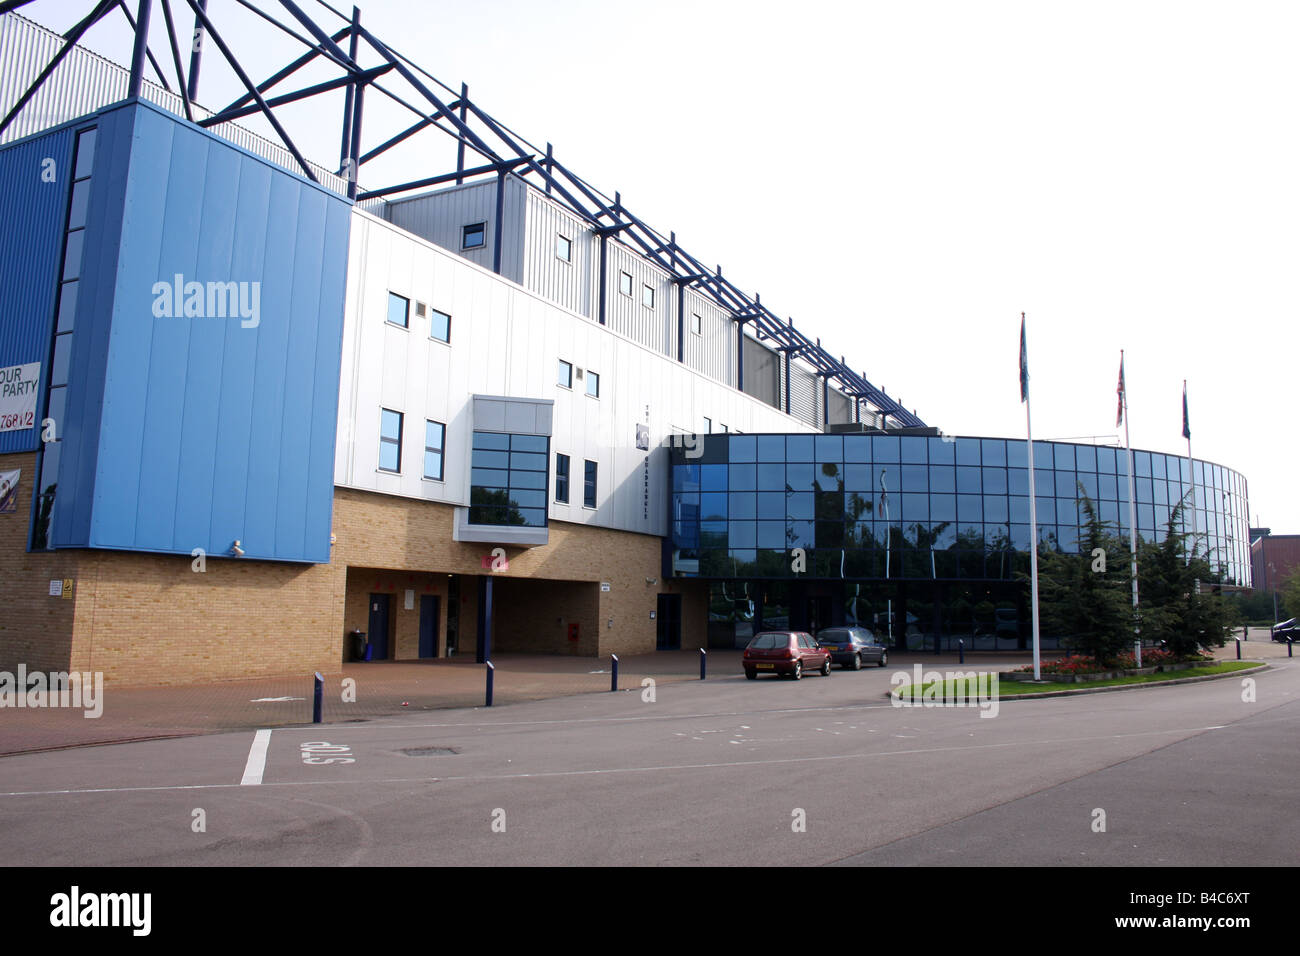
(770, 640)
(834, 635)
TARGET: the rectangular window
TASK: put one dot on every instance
(399, 310)
(473, 236)
(509, 475)
(566, 374)
(708, 426)
(625, 284)
(593, 384)
(695, 323)
(648, 297)
(562, 478)
(563, 248)
(390, 440)
(435, 436)
(589, 485)
(439, 326)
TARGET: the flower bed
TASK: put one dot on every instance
(1079, 669)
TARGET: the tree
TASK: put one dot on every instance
(1085, 596)
(1174, 609)
(1291, 592)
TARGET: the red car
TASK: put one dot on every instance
(785, 652)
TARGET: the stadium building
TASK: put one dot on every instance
(252, 404)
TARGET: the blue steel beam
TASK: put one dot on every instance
(365, 76)
(147, 52)
(176, 60)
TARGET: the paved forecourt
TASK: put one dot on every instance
(724, 771)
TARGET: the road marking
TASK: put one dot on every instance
(256, 759)
(1051, 741)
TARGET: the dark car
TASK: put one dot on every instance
(852, 647)
(1286, 631)
(784, 652)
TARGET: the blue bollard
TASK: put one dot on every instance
(1289, 643)
(317, 696)
(1238, 648)
(704, 660)
(491, 672)
(613, 673)
(961, 652)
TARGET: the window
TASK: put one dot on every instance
(566, 374)
(473, 236)
(399, 310)
(563, 248)
(562, 478)
(723, 427)
(439, 325)
(695, 323)
(589, 485)
(390, 440)
(648, 297)
(593, 384)
(435, 434)
(708, 426)
(508, 479)
(625, 284)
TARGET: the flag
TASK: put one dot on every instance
(1119, 414)
(1187, 428)
(1024, 362)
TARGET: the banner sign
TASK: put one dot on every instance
(9, 491)
(18, 396)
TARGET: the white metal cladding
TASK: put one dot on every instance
(441, 217)
(507, 341)
(85, 82)
(805, 395)
(840, 406)
(762, 377)
(572, 284)
(713, 351)
(628, 314)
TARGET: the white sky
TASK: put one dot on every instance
(905, 178)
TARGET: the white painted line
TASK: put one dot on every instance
(256, 759)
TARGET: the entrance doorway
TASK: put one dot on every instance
(668, 618)
(428, 626)
(379, 604)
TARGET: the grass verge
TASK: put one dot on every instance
(951, 690)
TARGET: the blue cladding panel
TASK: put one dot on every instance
(32, 213)
(219, 428)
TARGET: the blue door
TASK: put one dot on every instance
(378, 633)
(428, 625)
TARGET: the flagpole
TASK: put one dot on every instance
(1191, 475)
(1132, 519)
(1033, 510)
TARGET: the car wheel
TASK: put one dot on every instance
(751, 675)
(797, 673)
(884, 658)
(857, 662)
(826, 667)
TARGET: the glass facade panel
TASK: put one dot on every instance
(508, 479)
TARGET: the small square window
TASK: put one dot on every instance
(566, 374)
(399, 310)
(390, 440)
(439, 325)
(648, 296)
(435, 434)
(708, 426)
(562, 478)
(695, 323)
(473, 236)
(564, 248)
(593, 384)
(625, 284)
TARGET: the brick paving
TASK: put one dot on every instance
(386, 688)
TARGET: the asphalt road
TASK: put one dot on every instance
(718, 772)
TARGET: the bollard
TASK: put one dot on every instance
(961, 651)
(491, 672)
(1289, 642)
(936, 644)
(1238, 648)
(704, 659)
(613, 673)
(317, 696)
